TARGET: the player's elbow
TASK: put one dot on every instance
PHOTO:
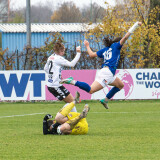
(60, 118)
(72, 65)
(91, 56)
(65, 128)
(46, 70)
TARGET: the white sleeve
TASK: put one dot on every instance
(46, 68)
(133, 28)
(67, 63)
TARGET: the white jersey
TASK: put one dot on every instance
(53, 68)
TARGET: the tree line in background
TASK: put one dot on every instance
(66, 12)
(141, 51)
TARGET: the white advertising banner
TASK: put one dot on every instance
(22, 85)
(31, 85)
(138, 84)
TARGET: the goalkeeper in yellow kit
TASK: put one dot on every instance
(67, 122)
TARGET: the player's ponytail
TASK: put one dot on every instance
(117, 39)
(108, 42)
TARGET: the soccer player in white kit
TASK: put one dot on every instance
(53, 68)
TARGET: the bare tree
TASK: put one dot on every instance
(41, 13)
(66, 13)
(17, 16)
(3, 10)
(93, 13)
(128, 7)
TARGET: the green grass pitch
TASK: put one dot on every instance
(129, 130)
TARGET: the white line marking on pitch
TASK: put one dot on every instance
(127, 112)
(21, 115)
(89, 113)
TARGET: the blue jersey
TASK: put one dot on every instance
(111, 56)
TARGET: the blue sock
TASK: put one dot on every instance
(83, 85)
(112, 92)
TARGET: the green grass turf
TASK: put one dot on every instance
(127, 131)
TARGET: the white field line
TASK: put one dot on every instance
(32, 114)
(127, 112)
(89, 113)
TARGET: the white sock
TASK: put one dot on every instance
(73, 82)
(74, 109)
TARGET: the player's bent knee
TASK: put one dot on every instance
(59, 118)
(121, 85)
(69, 99)
(91, 91)
(65, 128)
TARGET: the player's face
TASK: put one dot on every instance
(61, 52)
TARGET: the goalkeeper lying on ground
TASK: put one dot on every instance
(67, 122)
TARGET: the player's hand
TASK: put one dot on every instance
(78, 49)
(48, 116)
(139, 23)
(86, 43)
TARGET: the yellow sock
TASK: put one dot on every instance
(65, 111)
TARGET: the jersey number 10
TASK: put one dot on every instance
(108, 54)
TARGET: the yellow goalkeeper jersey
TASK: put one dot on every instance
(81, 127)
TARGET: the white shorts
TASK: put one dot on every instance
(105, 77)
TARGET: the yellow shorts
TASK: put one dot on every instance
(81, 127)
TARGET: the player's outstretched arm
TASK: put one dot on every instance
(130, 31)
(90, 52)
(65, 62)
(76, 58)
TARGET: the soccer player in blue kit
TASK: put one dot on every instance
(106, 76)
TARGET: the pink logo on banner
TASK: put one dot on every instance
(87, 76)
(127, 79)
